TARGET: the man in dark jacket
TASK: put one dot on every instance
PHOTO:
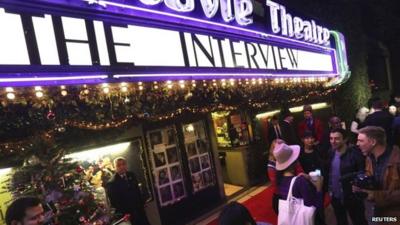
(344, 163)
(274, 129)
(288, 130)
(380, 118)
(124, 193)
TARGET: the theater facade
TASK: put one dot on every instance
(171, 85)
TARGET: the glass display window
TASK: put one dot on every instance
(198, 153)
(166, 165)
(231, 129)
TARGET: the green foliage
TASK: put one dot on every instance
(346, 17)
(61, 184)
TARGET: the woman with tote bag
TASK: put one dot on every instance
(299, 196)
(272, 174)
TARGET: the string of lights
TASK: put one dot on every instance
(26, 110)
(12, 93)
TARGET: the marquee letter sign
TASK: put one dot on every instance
(44, 45)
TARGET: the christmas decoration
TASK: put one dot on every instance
(69, 198)
(90, 107)
(39, 123)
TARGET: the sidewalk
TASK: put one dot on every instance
(259, 203)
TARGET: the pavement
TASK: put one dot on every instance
(329, 213)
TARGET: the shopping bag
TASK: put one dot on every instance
(292, 211)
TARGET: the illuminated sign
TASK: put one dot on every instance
(144, 46)
(229, 15)
(65, 44)
(46, 45)
(285, 24)
(241, 11)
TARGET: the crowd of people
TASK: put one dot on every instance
(308, 167)
(342, 167)
(311, 167)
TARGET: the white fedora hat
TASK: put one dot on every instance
(285, 155)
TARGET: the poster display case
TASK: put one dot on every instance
(198, 155)
(166, 165)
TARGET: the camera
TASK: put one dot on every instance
(363, 181)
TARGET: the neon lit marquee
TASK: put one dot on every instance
(59, 47)
(294, 27)
(140, 46)
(282, 22)
(239, 10)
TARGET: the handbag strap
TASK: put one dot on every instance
(289, 195)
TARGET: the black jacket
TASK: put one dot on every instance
(351, 163)
(289, 133)
(125, 195)
(311, 161)
(271, 132)
(381, 119)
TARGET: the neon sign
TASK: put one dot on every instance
(239, 10)
(54, 47)
(285, 24)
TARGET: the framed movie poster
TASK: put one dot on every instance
(197, 147)
(166, 165)
(172, 155)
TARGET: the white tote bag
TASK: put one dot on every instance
(292, 211)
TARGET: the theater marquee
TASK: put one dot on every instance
(54, 44)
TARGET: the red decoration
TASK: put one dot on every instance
(51, 115)
(79, 169)
(126, 217)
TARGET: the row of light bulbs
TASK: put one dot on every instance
(124, 87)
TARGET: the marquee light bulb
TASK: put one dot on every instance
(9, 89)
(182, 84)
(64, 93)
(11, 96)
(106, 90)
(124, 89)
(39, 94)
(169, 84)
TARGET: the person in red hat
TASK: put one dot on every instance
(310, 123)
